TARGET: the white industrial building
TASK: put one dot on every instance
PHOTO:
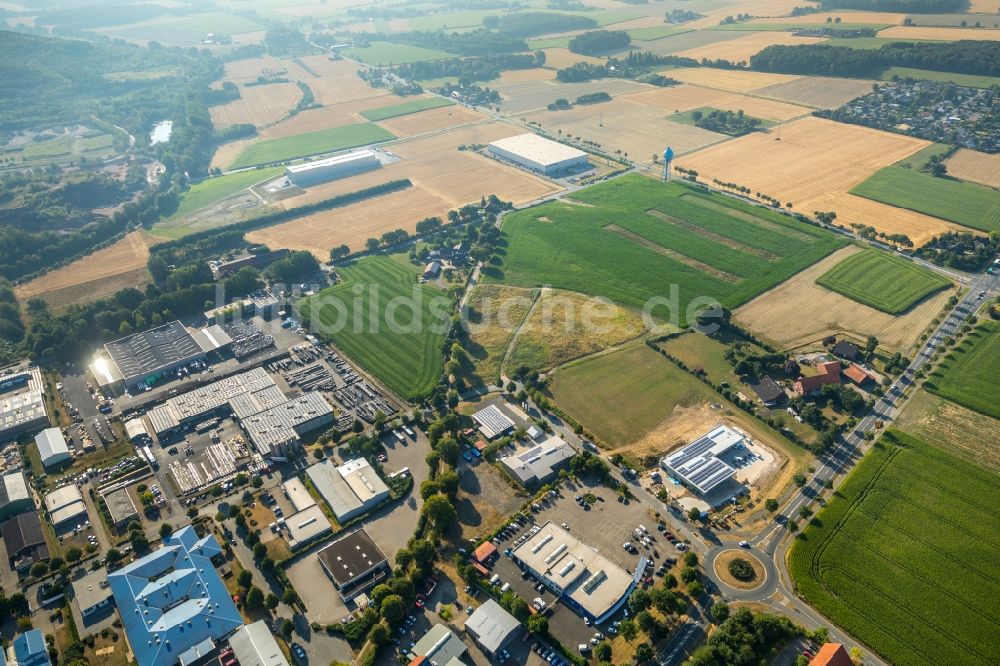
(52, 447)
(539, 463)
(254, 645)
(583, 579)
(492, 423)
(319, 171)
(65, 504)
(698, 465)
(351, 490)
(22, 406)
(538, 154)
(306, 525)
(492, 627)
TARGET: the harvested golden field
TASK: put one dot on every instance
(254, 37)
(740, 50)
(943, 34)
(685, 97)
(332, 81)
(852, 209)
(565, 325)
(967, 434)
(227, 153)
(814, 166)
(890, 18)
(975, 167)
(430, 120)
(443, 178)
(313, 120)
(96, 275)
(558, 58)
(259, 106)
(494, 312)
(982, 6)
(817, 91)
(248, 69)
(799, 312)
(732, 80)
(621, 124)
(521, 75)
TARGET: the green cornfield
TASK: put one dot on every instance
(882, 280)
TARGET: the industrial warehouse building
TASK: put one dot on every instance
(92, 593)
(493, 423)
(438, 646)
(22, 407)
(29, 649)
(254, 645)
(319, 171)
(581, 577)
(540, 463)
(14, 496)
(65, 505)
(52, 447)
(354, 563)
(351, 489)
(121, 507)
(24, 540)
(492, 627)
(306, 526)
(540, 155)
(698, 465)
(172, 601)
(143, 358)
(272, 421)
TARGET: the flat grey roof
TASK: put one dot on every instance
(92, 589)
(538, 463)
(279, 424)
(305, 167)
(351, 557)
(491, 625)
(142, 354)
(349, 488)
(306, 525)
(439, 645)
(120, 505)
(65, 504)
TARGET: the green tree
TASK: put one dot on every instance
(439, 511)
(271, 601)
(289, 597)
(74, 554)
(259, 550)
(694, 513)
(628, 630)
(166, 529)
(255, 598)
(39, 569)
(720, 612)
(538, 624)
(429, 488)
(644, 653)
(393, 609)
(771, 504)
(603, 651)
(245, 578)
(378, 634)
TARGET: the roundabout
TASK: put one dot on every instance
(741, 573)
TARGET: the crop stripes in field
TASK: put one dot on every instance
(985, 508)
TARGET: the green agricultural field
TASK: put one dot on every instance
(788, 27)
(654, 33)
(963, 203)
(213, 190)
(217, 22)
(388, 53)
(968, 374)
(867, 43)
(623, 245)
(687, 118)
(884, 281)
(623, 395)
(406, 108)
(905, 556)
(394, 327)
(450, 21)
(971, 80)
(548, 43)
(311, 143)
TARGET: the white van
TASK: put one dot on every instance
(495, 579)
(504, 588)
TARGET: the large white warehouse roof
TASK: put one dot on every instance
(330, 161)
(537, 149)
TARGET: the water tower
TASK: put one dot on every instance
(668, 156)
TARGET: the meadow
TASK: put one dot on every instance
(406, 108)
(388, 53)
(708, 246)
(403, 348)
(971, 80)
(883, 281)
(212, 190)
(967, 204)
(967, 374)
(623, 395)
(311, 143)
(871, 563)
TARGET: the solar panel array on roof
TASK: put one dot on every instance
(492, 422)
(697, 463)
(154, 351)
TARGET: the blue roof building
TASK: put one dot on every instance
(30, 649)
(173, 599)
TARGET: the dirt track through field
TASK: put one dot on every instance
(800, 312)
(718, 238)
(673, 254)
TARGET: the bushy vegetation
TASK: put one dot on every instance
(527, 24)
(869, 562)
(965, 251)
(733, 123)
(962, 57)
(599, 41)
(633, 65)
(967, 375)
(883, 281)
(744, 639)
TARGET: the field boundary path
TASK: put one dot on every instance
(517, 334)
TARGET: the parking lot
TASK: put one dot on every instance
(605, 526)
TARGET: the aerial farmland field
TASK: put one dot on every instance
(258, 105)
(311, 143)
(406, 108)
(621, 245)
(968, 373)
(967, 204)
(389, 53)
(868, 561)
(403, 350)
(884, 281)
(975, 167)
